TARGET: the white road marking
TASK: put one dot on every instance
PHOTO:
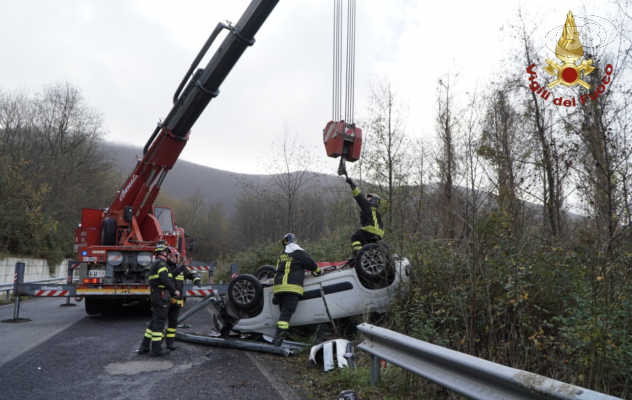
(284, 390)
(277, 383)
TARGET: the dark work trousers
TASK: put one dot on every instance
(158, 321)
(159, 309)
(287, 303)
(172, 317)
(360, 238)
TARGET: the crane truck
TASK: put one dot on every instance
(115, 245)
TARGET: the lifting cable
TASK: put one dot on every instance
(350, 63)
(350, 80)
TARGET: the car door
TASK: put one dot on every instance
(345, 296)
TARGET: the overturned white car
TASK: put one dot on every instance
(356, 287)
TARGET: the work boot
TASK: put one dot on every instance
(279, 337)
(171, 344)
(156, 351)
(144, 346)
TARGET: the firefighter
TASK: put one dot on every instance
(372, 229)
(180, 272)
(162, 289)
(288, 282)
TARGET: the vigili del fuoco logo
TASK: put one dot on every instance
(569, 51)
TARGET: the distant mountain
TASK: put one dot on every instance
(185, 178)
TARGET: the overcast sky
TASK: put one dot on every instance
(128, 57)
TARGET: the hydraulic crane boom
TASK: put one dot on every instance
(168, 140)
(115, 244)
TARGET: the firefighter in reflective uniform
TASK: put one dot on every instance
(288, 282)
(371, 230)
(180, 272)
(162, 289)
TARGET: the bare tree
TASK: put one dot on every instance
(52, 140)
(446, 128)
(502, 145)
(286, 188)
(538, 111)
(386, 158)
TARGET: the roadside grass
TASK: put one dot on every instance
(395, 383)
(4, 301)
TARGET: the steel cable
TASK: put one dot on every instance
(349, 98)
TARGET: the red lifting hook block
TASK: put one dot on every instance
(341, 140)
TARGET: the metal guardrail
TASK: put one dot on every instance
(469, 376)
(10, 286)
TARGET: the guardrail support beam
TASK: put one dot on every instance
(18, 278)
(375, 370)
(71, 270)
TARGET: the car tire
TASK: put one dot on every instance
(245, 291)
(108, 232)
(374, 262)
(92, 306)
(265, 272)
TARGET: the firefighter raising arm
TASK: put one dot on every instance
(371, 230)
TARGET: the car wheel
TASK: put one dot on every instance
(245, 291)
(265, 272)
(373, 262)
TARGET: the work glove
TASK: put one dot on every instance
(317, 272)
(197, 282)
(349, 181)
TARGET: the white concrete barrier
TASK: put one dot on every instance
(36, 269)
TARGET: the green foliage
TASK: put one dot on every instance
(561, 313)
(52, 165)
(335, 247)
(25, 228)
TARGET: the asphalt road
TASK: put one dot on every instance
(63, 353)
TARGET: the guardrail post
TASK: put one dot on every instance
(233, 271)
(375, 370)
(71, 269)
(211, 273)
(18, 279)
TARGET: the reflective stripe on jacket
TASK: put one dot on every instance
(160, 276)
(370, 217)
(180, 272)
(290, 271)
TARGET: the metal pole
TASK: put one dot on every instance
(18, 279)
(206, 301)
(233, 271)
(375, 371)
(211, 273)
(8, 294)
(71, 266)
(16, 307)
